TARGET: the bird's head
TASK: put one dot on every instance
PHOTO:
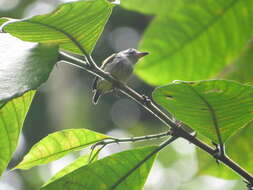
(133, 54)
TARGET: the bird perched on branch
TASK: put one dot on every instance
(120, 66)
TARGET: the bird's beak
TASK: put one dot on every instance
(141, 54)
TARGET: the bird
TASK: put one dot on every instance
(120, 65)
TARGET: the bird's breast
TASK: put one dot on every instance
(121, 70)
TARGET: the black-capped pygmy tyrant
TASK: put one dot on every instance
(120, 65)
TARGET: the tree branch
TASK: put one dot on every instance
(147, 103)
(112, 140)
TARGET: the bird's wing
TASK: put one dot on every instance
(108, 60)
(105, 62)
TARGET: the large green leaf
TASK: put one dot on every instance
(12, 116)
(58, 144)
(238, 147)
(195, 40)
(150, 6)
(242, 69)
(75, 26)
(209, 106)
(106, 173)
(23, 66)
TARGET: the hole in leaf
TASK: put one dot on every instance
(169, 97)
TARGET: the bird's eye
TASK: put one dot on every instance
(131, 51)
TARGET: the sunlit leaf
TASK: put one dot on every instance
(12, 116)
(104, 174)
(209, 105)
(58, 144)
(238, 148)
(195, 41)
(75, 26)
(150, 6)
(23, 66)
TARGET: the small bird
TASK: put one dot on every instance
(120, 65)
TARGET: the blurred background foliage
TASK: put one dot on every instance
(65, 102)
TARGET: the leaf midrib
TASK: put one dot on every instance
(72, 38)
(212, 111)
(197, 34)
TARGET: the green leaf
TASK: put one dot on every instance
(104, 174)
(3, 20)
(209, 105)
(242, 69)
(149, 6)
(24, 66)
(238, 148)
(75, 26)
(57, 145)
(12, 116)
(78, 163)
(195, 41)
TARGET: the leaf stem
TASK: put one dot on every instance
(109, 140)
(155, 111)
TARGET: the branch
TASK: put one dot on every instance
(131, 139)
(110, 140)
(155, 111)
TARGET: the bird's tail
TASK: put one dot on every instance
(96, 97)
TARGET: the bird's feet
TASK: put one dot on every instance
(146, 99)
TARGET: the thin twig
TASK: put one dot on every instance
(103, 143)
(155, 111)
(112, 140)
(92, 157)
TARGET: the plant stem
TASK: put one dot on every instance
(155, 111)
(111, 140)
(132, 139)
(143, 138)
